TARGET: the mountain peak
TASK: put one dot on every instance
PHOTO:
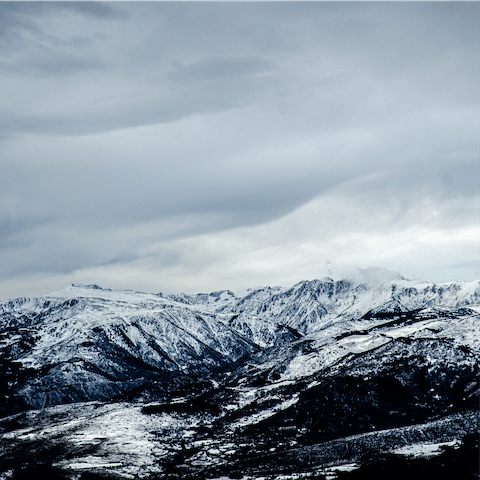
(327, 280)
(91, 286)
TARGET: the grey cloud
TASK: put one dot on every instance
(30, 51)
(101, 10)
(216, 82)
(96, 9)
(122, 191)
(220, 68)
(51, 247)
(401, 198)
(35, 245)
(165, 118)
(134, 110)
(46, 64)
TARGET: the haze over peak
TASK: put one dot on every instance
(372, 275)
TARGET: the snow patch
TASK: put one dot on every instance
(425, 449)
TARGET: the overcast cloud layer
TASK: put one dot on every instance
(202, 146)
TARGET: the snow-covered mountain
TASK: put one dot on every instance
(281, 371)
(95, 344)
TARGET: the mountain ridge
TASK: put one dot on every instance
(204, 333)
(263, 382)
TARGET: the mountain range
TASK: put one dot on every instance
(311, 381)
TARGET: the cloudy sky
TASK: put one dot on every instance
(191, 147)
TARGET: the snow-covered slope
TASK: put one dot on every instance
(263, 381)
(90, 343)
